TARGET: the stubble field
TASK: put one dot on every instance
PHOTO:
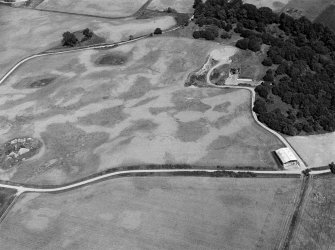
(25, 32)
(115, 8)
(315, 226)
(155, 213)
(182, 6)
(315, 150)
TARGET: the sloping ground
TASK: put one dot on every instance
(327, 17)
(309, 8)
(155, 213)
(182, 6)
(127, 106)
(316, 225)
(25, 31)
(275, 5)
(315, 150)
(108, 8)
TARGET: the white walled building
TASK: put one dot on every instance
(287, 157)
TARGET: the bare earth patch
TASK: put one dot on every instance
(155, 213)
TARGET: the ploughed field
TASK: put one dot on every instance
(108, 8)
(155, 213)
(98, 109)
(25, 32)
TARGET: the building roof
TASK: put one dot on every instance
(286, 155)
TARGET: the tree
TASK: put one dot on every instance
(269, 76)
(267, 62)
(254, 44)
(182, 19)
(69, 39)
(225, 35)
(197, 3)
(158, 31)
(262, 91)
(87, 33)
(332, 167)
(243, 43)
(260, 107)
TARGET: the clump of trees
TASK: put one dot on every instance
(209, 33)
(87, 33)
(303, 51)
(158, 31)
(71, 40)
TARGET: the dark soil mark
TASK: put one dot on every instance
(42, 82)
(111, 59)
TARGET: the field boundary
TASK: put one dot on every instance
(134, 15)
(286, 240)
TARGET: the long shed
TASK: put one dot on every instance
(286, 157)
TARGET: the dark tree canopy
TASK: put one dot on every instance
(69, 39)
(304, 52)
(158, 31)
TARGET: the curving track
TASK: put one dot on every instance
(253, 97)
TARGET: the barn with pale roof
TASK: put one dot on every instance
(287, 157)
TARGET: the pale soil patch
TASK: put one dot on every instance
(155, 213)
(315, 150)
(25, 32)
(99, 117)
(108, 8)
(275, 5)
(182, 6)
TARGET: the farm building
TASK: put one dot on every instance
(287, 157)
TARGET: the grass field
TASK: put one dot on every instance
(126, 106)
(309, 8)
(327, 17)
(315, 228)
(315, 150)
(25, 31)
(182, 6)
(6, 197)
(275, 5)
(155, 213)
(115, 8)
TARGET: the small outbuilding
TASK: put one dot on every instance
(287, 157)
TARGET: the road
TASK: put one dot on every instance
(21, 188)
(253, 97)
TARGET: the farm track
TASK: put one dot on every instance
(253, 98)
(304, 192)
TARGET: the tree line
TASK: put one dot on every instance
(304, 53)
